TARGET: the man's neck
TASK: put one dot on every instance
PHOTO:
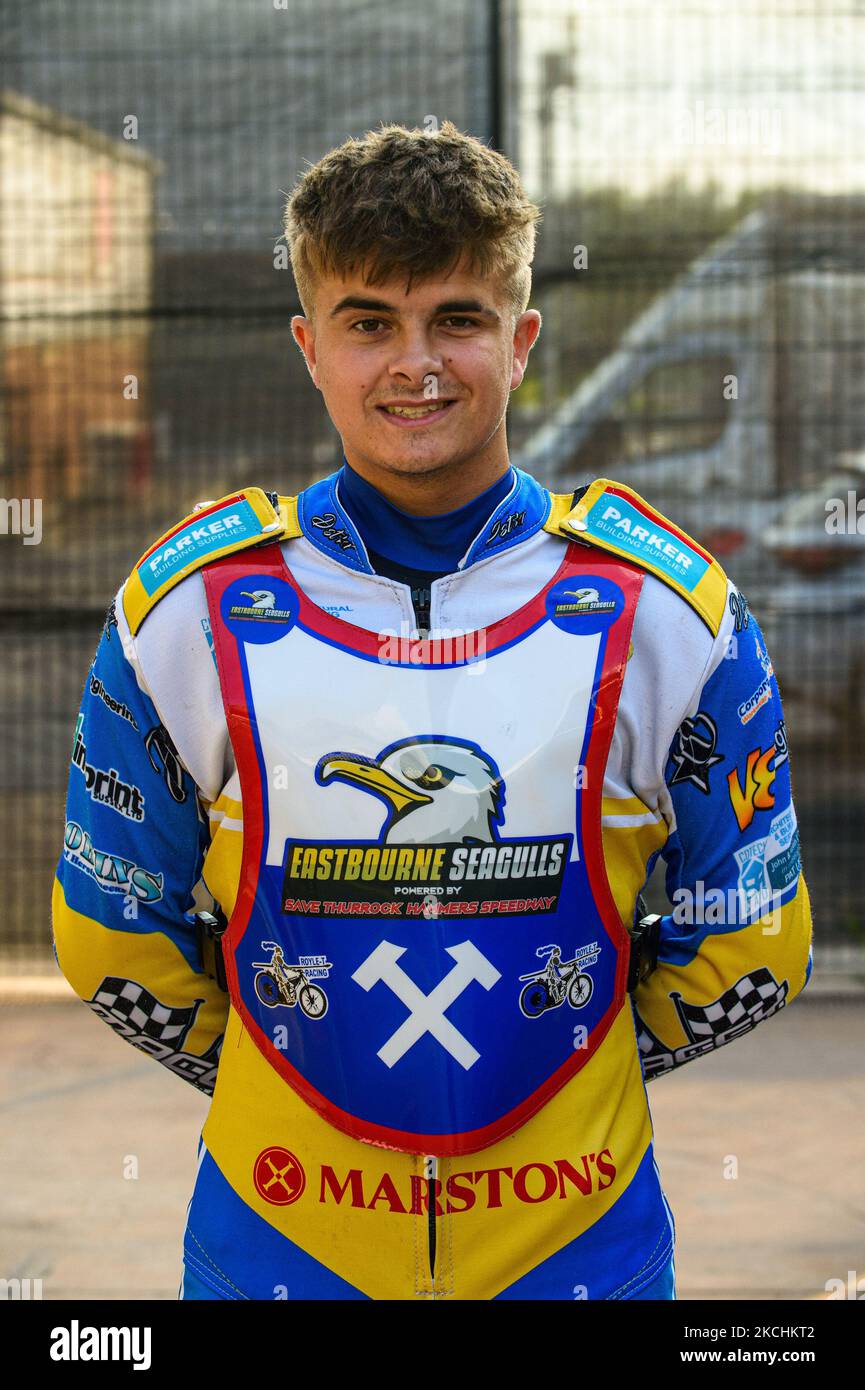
(431, 494)
(436, 541)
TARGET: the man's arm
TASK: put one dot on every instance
(134, 844)
(736, 947)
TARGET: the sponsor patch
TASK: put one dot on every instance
(694, 754)
(111, 872)
(485, 1188)
(257, 611)
(559, 980)
(769, 865)
(754, 703)
(400, 880)
(106, 788)
(752, 791)
(291, 984)
(205, 535)
(117, 707)
(588, 604)
(616, 520)
(763, 694)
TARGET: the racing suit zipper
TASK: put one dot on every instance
(421, 602)
(421, 595)
(430, 1169)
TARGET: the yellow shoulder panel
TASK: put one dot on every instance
(560, 508)
(235, 522)
(615, 518)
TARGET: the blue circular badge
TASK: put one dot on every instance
(259, 609)
(587, 603)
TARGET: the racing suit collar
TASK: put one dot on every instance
(327, 524)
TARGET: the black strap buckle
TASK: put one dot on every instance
(645, 943)
(210, 927)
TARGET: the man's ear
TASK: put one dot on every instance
(303, 332)
(526, 331)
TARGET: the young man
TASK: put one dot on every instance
(421, 727)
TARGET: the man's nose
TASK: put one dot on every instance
(415, 356)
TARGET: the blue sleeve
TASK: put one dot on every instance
(736, 946)
(133, 849)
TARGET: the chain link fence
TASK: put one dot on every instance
(700, 271)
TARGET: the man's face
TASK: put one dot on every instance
(449, 347)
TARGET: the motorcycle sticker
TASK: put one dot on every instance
(559, 980)
(280, 984)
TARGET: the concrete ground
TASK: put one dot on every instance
(98, 1149)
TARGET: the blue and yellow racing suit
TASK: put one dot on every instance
(428, 1072)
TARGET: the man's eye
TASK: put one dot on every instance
(376, 322)
(460, 318)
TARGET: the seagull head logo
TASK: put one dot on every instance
(261, 598)
(436, 790)
(583, 596)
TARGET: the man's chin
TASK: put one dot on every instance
(416, 455)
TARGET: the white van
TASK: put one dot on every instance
(738, 390)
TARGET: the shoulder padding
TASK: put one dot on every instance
(232, 523)
(613, 517)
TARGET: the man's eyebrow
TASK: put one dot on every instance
(380, 306)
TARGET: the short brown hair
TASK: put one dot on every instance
(413, 202)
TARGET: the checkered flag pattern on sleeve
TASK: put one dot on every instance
(132, 1003)
(749, 998)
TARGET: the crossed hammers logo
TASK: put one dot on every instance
(278, 1176)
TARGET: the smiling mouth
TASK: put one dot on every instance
(416, 412)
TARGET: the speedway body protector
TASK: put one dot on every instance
(422, 830)
(286, 1203)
